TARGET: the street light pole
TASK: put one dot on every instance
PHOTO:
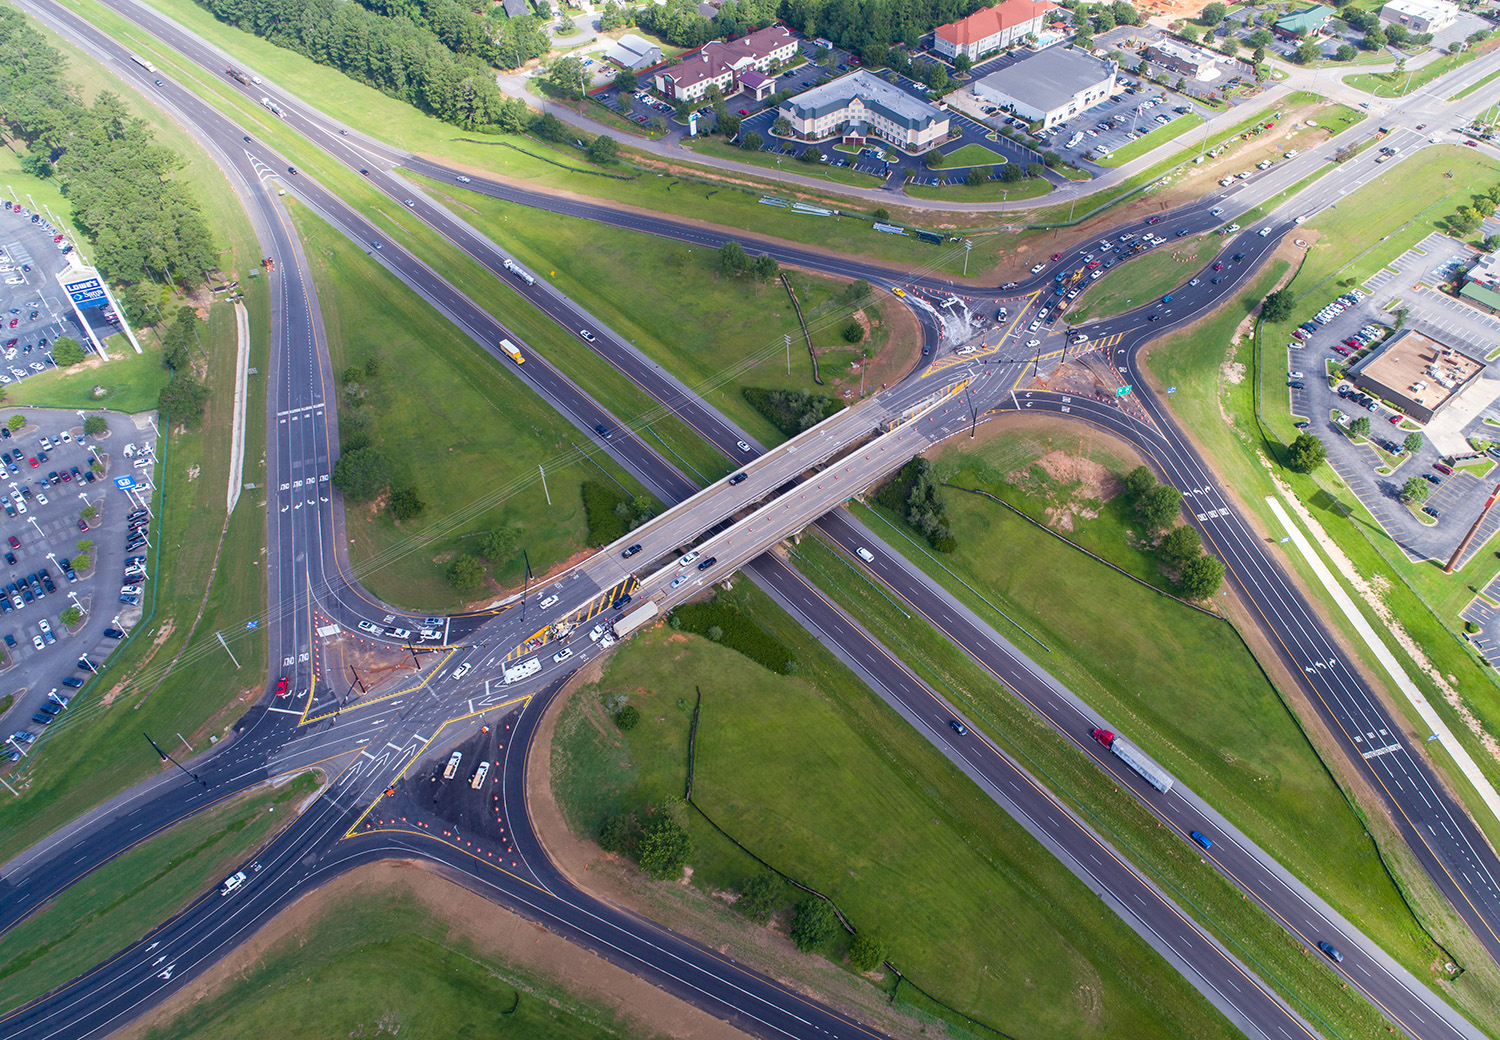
(168, 758)
(968, 245)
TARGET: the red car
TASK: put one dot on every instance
(1396, 420)
(1442, 468)
(10, 343)
(1218, 265)
(15, 543)
(82, 524)
(1155, 220)
(1472, 144)
(33, 462)
(744, 111)
(1093, 263)
(1056, 256)
(281, 687)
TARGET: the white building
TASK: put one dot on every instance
(1050, 86)
(1420, 16)
(861, 105)
(634, 53)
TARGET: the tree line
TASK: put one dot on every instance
(432, 54)
(145, 225)
(1178, 547)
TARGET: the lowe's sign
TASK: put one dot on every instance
(86, 292)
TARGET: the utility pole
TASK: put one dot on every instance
(788, 337)
(227, 650)
(168, 758)
(543, 472)
(968, 247)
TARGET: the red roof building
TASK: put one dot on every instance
(991, 28)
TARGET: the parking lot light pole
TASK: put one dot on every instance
(72, 596)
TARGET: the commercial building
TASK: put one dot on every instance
(1417, 374)
(991, 28)
(1420, 16)
(861, 105)
(722, 64)
(1303, 24)
(1482, 283)
(1050, 86)
(634, 53)
(1189, 62)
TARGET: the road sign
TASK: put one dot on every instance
(1171, 389)
(126, 483)
(251, 625)
(1123, 390)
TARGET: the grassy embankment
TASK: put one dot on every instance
(1146, 278)
(1153, 139)
(467, 434)
(715, 333)
(1369, 228)
(383, 962)
(818, 777)
(128, 896)
(1399, 84)
(161, 682)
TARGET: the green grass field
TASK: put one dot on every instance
(973, 155)
(1146, 278)
(1160, 136)
(1477, 85)
(722, 149)
(1125, 822)
(467, 434)
(717, 334)
(800, 769)
(128, 896)
(378, 964)
(1399, 84)
(990, 191)
(132, 382)
(161, 681)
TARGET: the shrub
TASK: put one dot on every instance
(71, 616)
(94, 425)
(736, 631)
(628, 717)
(614, 834)
(1306, 453)
(361, 474)
(182, 400)
(15, 422)
(664, 847)
(67, 351)
(791, 411)
(1201, 577)
(1278, 306)
(611, 513)
(465, 573)
(407, 502)
(498, 546)
(866, 952)
(853, 332)
(761, 897)
(913, 494)
(815, 924)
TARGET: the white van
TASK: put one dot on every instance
(865, 554)
(232, 882)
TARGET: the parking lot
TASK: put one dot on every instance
(33, 309)
(73, 538)
(1456, 497)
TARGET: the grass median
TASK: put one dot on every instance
(1399, 84)
(820, 778)
(170, 675)
(1163, 855)
(134, 892)
(721, 149)
(1143, 279)
(467, 434)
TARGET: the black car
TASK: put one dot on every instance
(42, 719)
(1238, 257)
(706, 564)
(1331, 951)
(603, 431)
(73, 682)
(737, 478)
(959, 727)
(50, 708)
(113, 633)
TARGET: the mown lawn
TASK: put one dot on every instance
(722, 149)
(1160, 136)
(128, 896)
(381, 964)
(973, 155)
(817, 776)
(715, 333)
(454, 421)
(1146, 278)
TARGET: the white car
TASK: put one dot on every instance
(587, 335)
(689, 558)
(679, 580)
(41, 498)
(548, 602)
(1294, 375)
(1033, 343)
(563, 654)
(595, 633)
(398, 633)
(37, 642)
(130, 590)
(743, 447)
(462, 670)
(1038, 268)
(365, 626)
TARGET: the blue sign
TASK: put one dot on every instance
(86, 293)
(249, 625)
(125, 483)
(1171, 389)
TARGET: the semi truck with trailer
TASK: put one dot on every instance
(236, 75)
(1136, 759)
(635, 619)
(519, 271)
